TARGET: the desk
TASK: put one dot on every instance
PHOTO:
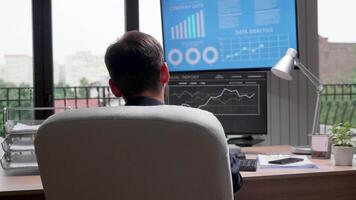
(21, 187)
(328, 182)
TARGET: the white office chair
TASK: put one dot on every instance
(129, 152)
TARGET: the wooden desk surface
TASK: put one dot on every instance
(324, 165)
(31, 185)
(327, 183)
(18, 185)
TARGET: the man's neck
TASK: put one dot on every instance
(159, 96)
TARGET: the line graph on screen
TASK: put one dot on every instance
(218, 99)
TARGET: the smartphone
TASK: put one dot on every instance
(285, 161)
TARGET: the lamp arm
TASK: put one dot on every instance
(319, 88)
(315, 80)
(316, 118)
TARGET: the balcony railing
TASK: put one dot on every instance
(338, 101)
(74, 97)
(81, 97)
(338, 105)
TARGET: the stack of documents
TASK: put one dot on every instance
(17, 127)
(305, 164)
(25, 127)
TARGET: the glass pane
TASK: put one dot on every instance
(16, 68)
(82, 30)
(337, 58)
(150, 18)
(337, 41)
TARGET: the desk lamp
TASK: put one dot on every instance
(283, 70)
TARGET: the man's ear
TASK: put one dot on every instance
(114, 88)
(164, 74)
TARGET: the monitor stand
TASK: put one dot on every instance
(244, 141)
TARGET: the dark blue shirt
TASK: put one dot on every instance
(142, 101)
(236, 176)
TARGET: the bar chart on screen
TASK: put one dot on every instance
(192, 27)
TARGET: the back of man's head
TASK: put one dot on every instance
(134, 63)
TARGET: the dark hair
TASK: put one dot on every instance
(134, 63)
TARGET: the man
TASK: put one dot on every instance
(140, 75)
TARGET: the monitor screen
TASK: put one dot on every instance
(209, 35)
(237, 99)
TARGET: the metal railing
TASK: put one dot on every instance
(74, 97)
(79, 97)
(338, 105)
(338, 101)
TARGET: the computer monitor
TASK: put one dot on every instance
(237, 99)
(201, 35)
(217, 52)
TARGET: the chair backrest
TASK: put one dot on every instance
(129, 152)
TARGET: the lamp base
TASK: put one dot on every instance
(321, 146)
(303, 150)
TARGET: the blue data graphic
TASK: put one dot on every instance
(227, 34)
(190, 28)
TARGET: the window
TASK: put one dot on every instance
(337, 62)
(150, 18)
(16, 43)
(16, 68)
(337, 41)
(82, 30)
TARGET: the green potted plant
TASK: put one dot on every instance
(342, 146)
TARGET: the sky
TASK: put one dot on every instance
(94, 24)
(85, 25)
(337, 20)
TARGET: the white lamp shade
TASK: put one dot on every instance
(285, 65)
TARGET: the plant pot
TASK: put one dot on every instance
(342, 155)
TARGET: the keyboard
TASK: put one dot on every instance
(248, 165)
